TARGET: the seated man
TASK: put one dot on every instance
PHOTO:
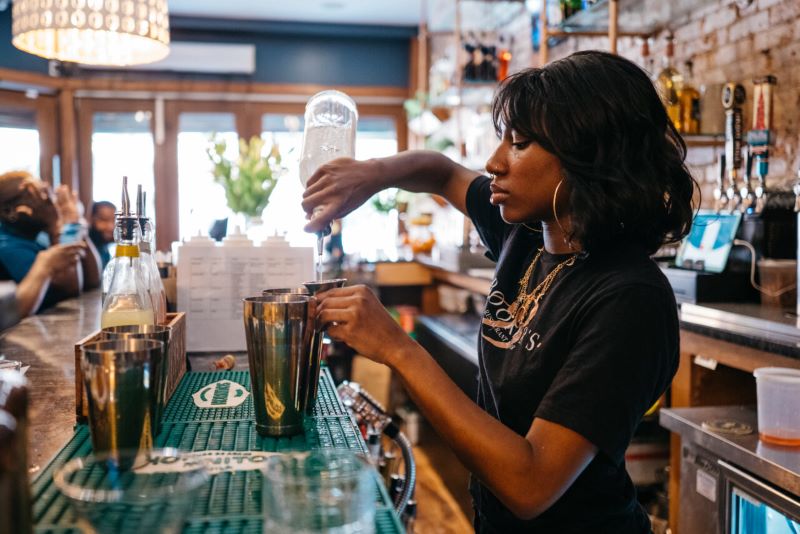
(31, 223)
(101, 228)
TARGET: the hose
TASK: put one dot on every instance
(410, 468)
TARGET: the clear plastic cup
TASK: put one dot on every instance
(154, 496)
(778, 392)
(330, 491)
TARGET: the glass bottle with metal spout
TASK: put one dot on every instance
(127, 300)
(149, 268)
(331, 120)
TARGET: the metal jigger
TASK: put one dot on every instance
(311, 378)
(159, 366)
(279, 330)
(315, 353)
(116, 378)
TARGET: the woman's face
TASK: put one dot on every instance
(525, 179)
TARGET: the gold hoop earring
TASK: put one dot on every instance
(555, 209)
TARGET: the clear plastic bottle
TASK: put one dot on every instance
(331, 121)
(127, 301)
(158, 296)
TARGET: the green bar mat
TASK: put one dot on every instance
(231, 501)
(385, 522)
(182, 407)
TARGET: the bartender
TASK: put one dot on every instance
(579, 336)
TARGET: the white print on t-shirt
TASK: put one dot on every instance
(506, 330)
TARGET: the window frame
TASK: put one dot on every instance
(248, 116)
(45, 109)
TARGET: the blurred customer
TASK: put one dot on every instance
(101, 228)
(43, 245)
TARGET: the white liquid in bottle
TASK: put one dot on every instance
(331, 120)
(126, 317)
(323, 143)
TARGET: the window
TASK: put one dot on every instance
(201, 200)
(367, 233)
(122, 145)
(18, 129)
(376, 137)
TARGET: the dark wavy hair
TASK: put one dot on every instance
(600, 115)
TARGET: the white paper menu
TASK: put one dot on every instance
(213, 279)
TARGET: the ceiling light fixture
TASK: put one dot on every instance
(93, 32)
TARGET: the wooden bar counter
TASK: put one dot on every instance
(45, 342)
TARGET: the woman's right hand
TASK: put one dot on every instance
(337, 188)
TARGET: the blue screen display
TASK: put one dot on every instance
(751, 516)
(709, 242)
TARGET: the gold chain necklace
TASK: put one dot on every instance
(527, 304)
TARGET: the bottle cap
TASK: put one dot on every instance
(126, 221)
(199, 240)
(237, 239)
(275, 241)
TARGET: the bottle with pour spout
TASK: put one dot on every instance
(155, 287)
(331, 120)
(127, 301)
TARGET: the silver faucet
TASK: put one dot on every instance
(761, 187)
(732, 192)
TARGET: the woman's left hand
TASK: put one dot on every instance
(69, 207)
(354, 316)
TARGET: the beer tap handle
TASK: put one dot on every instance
(733, 96)
(745, 191)
(720, 198)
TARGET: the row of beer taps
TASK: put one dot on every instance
(741, 182)
(750, 192)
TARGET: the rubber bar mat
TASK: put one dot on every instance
(213, 389)
(385, 522)
(231, 501)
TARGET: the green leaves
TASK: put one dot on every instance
(248, 181)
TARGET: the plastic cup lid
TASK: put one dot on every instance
(778, 374)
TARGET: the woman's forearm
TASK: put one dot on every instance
(499, 457)
(426, 171)
(31, 291)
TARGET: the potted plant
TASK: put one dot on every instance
(250, 179)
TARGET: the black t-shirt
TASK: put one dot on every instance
(600, 349)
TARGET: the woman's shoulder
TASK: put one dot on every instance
(626, 265)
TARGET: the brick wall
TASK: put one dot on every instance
(728, 43)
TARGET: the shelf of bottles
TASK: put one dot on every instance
(634, 17)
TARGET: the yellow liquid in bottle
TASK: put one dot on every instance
(126, 317)
(689, 99)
